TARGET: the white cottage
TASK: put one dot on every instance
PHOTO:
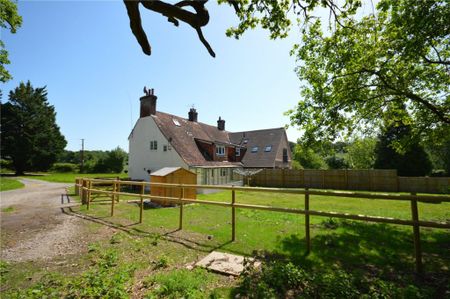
(163, 140)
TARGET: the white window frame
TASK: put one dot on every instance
(153, 145)
(220, 150)
(238, 152)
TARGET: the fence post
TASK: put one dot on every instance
(142, 203)
(416, 230)
(307, 227)
(88, 193)
(118, 189)
(180, 227)
(113, 198)
(233, 215)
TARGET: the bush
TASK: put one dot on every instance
(6, 165)
(64, 167)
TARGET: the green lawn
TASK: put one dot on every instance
(357, 251)
(9, 184)
(70, 177)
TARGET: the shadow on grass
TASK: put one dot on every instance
(183, 238)
(375, 249)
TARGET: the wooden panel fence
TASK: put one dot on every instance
(349, 179)
(87, 187)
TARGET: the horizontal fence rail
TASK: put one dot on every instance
(87, 187)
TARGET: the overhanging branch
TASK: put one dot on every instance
(174, 13)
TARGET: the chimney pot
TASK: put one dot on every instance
(148, 103)
(221, 124)
(193, 115)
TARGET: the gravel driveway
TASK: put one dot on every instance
(35, 227)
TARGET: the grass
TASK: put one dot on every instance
(70, 177)
(9, 184)
(346, 255)
(8, 209)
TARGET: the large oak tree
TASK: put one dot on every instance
(367, 71)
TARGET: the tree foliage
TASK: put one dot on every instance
(30, 136)
(361, 153)
(354, 77)
(10, 20)
(411, 161)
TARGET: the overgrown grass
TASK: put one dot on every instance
(9, 184)
(70, 177)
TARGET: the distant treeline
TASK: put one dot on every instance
(94, 161)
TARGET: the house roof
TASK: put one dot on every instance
(182, 135)
(262, 146)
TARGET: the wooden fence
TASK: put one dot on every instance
(87, 187)
(349, 179)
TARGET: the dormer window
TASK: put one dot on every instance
(268, 148)
(220, 150)
(238, 151)
(254, 149)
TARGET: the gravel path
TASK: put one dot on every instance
(36, 227)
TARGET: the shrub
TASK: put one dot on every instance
(64, 167)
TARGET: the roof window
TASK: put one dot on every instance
(176, 122)
(268, 148)
(254, 149)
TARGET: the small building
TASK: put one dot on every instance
(173, 175)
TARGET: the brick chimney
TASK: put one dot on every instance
(221, 124)
(148, 103)
(193, 115)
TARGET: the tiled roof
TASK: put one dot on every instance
(182, 134)
(259, 140)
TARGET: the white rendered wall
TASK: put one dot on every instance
(141, 158)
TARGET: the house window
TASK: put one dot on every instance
(254, 149)
(285, 155)
(220, 150)
(153, 145)
(268, 148)
(238, 151)
(223, 172)
(165, 148)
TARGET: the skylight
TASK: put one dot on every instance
(254, 149)
(176, 122)
(268, 148)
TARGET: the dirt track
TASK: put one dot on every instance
(37, 228)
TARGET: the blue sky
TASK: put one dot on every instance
(94, 70)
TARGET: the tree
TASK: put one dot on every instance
(112, 161)
(9, 19)
(271, 15)
(30, 136)
(411, 161)
(361, 153)
(308, 158)
(351, 77)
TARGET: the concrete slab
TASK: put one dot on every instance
(224, 263)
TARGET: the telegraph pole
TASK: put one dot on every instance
(82, 155)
